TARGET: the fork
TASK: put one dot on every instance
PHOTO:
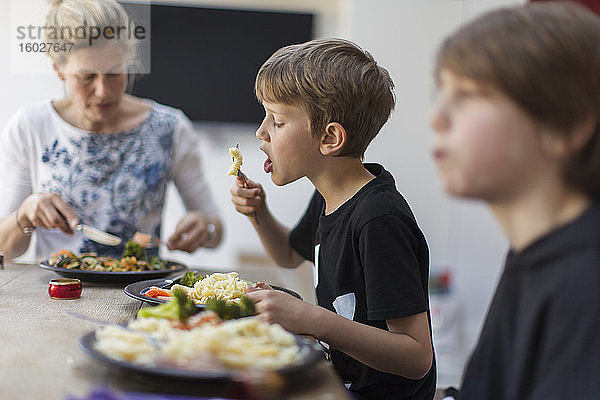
(244, 179)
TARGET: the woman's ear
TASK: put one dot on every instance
(61, 76)
(332, 139)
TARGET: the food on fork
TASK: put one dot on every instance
(236, 154)
(143, 239)
(235, 169)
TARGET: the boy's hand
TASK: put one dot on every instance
(247, 200)
(275, 306)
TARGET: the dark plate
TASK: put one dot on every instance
(310, 351)
(114, 277)
(137, 290)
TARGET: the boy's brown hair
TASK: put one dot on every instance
(546, 58)
(332, 80)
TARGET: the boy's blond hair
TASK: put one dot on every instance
(546, 58)
(332, 80)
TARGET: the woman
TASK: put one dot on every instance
(98, 156)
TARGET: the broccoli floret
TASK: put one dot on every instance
(217, 305)
(157, 263)
(168, 311)
(247, 307)
(180, 307)
(133, 249)
(227, 310)
(186, 306)
(190, 278)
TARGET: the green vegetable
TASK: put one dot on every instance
(180, 307)
(190, 278)
(73, 264)
(133, 249)
(168, 311)
(187, 307)
(63, 260)
(227, 310)
(247, 307)
(218, 306)
(156, 263)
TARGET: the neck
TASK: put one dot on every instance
(69, 112)
(341, 179)
(538, 212)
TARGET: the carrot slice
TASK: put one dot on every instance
(154, 291)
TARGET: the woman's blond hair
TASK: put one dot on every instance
(65, 17)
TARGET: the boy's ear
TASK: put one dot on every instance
(561, 146)
(332, 139)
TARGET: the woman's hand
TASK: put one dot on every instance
(47, 210)
(275, 306)
(193, 231)
(247, 200)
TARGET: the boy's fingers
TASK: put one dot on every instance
(243, 202)
(248, 202)
(257, 295)
(250, 184)
(245, 210)
(245, 193)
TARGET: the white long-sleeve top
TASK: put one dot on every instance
(115, 182)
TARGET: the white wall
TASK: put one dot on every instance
(20, 89)
(403, 36)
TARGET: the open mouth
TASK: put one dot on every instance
(268, 165)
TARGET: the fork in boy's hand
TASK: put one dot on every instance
(235, 169)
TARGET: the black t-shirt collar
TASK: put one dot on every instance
(555, 242)
(382, 178)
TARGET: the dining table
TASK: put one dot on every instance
(41, 356)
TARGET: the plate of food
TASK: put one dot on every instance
(185, 343)
(134, 265)
(200, 287)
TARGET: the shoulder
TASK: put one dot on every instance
(381, 198)
(572, 263)
(37, 114)
(580, 275)
(28, 121)
(164, 112)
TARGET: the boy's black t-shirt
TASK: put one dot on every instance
(541, 337)
(372, 264)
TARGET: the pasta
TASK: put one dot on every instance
(237, 161)
(125, 345)
(227, 287)
(242, 344)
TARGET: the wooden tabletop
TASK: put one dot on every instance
(41, 358)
